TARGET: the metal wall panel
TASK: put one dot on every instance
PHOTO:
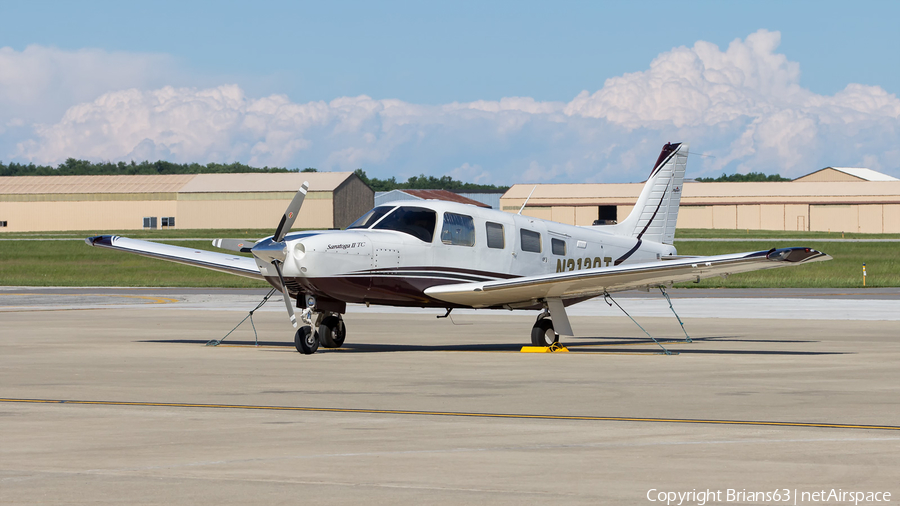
(748, 217)
(586, 215)
(563, 214)
(695, 217)
(834, 218)
(892, 218)
(871, 218)
(724, 217)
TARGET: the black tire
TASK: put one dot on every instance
(332, 332)
(542, 334)
(306, 341)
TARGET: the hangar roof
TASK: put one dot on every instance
(696, 193)
(269, 182)
(443, 195)
(93, 184)
(846, 174)
(172, 183)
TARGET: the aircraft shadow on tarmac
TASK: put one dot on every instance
(599, 345)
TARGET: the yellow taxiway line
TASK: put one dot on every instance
(455, 413)
(153, 299)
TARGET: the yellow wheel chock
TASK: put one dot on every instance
(554, 348)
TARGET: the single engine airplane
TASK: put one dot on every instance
(450, 255)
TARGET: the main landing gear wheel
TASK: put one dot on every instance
(306, 341)
(542, 334)
(332, 332)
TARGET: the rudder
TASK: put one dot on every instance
(656, 212)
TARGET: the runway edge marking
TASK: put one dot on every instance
(453, 413)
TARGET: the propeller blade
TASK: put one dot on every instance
(290, 214)
(287, 296)
(239, 245)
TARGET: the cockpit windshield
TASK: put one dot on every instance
(370, 217)
(415, 221)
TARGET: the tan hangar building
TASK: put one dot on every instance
(833, 199)
(189, 201)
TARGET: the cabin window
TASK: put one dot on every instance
(459, 229)
(495, 235)
(531, 241)
(371, 217)
(415, 221)
(558, 246)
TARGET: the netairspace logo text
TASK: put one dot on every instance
(777, 496)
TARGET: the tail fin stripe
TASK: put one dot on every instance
(654, 212)
(653, 218)
(629, 253)
(662, 162)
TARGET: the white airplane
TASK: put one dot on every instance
(450, 255)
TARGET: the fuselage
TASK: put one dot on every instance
(397, 250)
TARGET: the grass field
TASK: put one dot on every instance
(62, 262)
(845, 271)
(704, 233)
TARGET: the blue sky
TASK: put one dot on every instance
(91, 79)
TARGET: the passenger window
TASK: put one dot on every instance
(558, 246)
(531, 241)
(495, 235)
(458, 229)
(415, 221)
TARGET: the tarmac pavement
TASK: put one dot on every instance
(110, 396)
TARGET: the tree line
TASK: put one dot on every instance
(423, 182)
(750, 177)
(74, 167)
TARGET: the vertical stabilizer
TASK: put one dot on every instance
(653, 217)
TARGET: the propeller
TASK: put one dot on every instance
(274, 250)
(239, 245)
(287, 297)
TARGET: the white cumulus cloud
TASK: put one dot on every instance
(39, 83)
(744, 106)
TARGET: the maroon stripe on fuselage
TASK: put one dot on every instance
(383, 290)
(486, 274)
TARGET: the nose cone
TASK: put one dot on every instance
(268, 250)
(330, 254)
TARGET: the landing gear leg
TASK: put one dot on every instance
(332, 331)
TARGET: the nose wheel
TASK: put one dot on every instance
(306, 340)
(330, 333)
(542, 334)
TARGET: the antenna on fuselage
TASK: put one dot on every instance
(526, 200)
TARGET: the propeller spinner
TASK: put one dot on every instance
(273, 251)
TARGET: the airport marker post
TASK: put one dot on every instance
(864, 274)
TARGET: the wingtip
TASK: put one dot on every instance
(99, 240)
(797, 255)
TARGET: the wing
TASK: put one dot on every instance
(231, 264)
(526, 291)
